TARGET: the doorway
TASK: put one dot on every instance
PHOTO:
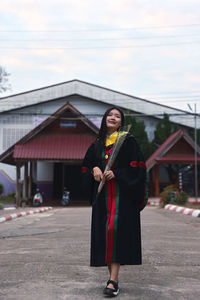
(69, 177)
(72, 181)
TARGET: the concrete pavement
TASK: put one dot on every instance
(46, 256)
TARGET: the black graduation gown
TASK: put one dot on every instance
(115, 228)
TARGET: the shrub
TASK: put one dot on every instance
(171, 195)
(1, 188)
(180, 198)
(165, 196)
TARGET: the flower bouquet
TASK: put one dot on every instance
(122, 134)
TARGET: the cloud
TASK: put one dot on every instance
(13, 62)
(25, 13)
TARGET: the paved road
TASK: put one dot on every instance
(46, 257)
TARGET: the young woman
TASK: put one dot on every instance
(115, 231)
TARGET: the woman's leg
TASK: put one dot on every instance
(109, 268)
(114, 272)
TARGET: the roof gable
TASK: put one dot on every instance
(178, 145)
(181, 147)
(66, 112)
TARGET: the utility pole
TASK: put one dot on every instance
(195, 151)
(195, 139)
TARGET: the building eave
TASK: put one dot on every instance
(97, 93)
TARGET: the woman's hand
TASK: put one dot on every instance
(97, 173)
(108, 175)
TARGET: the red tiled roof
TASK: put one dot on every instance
(55, 146)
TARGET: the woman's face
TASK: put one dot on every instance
(113, 120)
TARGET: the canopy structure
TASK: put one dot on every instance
(179, 148)
(63, 138)
(66, 134)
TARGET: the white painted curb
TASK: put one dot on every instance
(23, 213)
(183, 210)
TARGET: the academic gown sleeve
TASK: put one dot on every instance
(88, 184)
(130, 170)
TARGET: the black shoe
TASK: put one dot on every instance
(111, 292)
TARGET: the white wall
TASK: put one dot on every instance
(44, 171)
(25, 119)
(9, 170)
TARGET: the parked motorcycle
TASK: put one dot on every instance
(65, 198)
(37, 198)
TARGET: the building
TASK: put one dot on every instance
(45, 132)
(177, 154)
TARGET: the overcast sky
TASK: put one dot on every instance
(149, 49)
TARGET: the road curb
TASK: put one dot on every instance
(153, 203)
(183, 210)
(25, 213)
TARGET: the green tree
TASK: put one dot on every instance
(163, 130)
(4, 85)
(138, 131)
(1, 188)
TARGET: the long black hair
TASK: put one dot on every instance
(103, 129)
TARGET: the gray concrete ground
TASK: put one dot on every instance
(46, 256)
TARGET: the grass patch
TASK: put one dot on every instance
(7, 200)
